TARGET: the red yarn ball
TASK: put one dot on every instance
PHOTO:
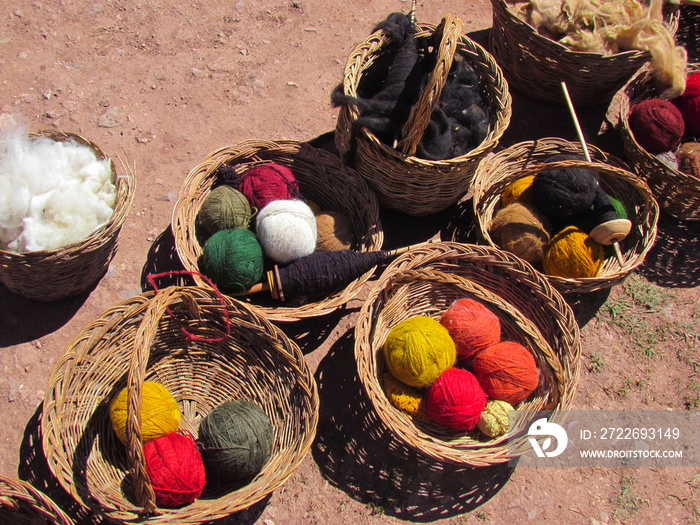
(507, 372)
(689, 104)
(657, 125)
(472, 326)
(175, 468)
(455, 399)
(268, 182)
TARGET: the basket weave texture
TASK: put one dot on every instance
(322, 178)
(22, 504)
(60, 274)
(401, 181)
(426, 281)
(688, 33)
(231, 353)
(529, 158)
(537, 65)
(677, 193)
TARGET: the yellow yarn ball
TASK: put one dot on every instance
(573, 254)
(418, 350)
(405, 398)
(494, 420)
(160, 413)
(518, 191)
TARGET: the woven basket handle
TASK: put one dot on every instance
(450, 28)
(145, 336)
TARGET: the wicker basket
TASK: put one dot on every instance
(425, 281)
(401, 181)
(677, 193)
(22, 504)
(528, 158)
(688, 33)
(322, 178)
(206, 350)
(72, 270)
(537, 65)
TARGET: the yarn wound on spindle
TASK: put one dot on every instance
(507, 371)
(521, 230)
(573, 254)
(472, 326)
(232, 259)
(455, 400)
(225, 208)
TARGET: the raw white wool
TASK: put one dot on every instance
(52, 194)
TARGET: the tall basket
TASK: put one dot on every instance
(426, 281)
(205, 350)
(402, 181)
(52, 275)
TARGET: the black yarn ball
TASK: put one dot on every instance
(564, 194)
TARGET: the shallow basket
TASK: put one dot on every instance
(528, 158)
(322, 179)
(22, 504)
(205, 350)
(677, 193)
(59, 274)
(404, 182)
(537, 65)
(426, 281)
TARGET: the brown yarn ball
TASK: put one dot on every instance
(689, 158)
(334, 231)
(521, 230)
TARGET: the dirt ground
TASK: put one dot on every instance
(161, 85)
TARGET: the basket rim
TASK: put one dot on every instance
(17, 489)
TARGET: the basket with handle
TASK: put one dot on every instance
(205, 349)
(51, 275)
(22, 504)
(402, 181)
(426, 281)
(677, 193)
(530, 158)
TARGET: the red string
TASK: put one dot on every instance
(190, 336)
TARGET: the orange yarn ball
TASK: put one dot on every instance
(473, 327)
(455, 399)
(507, 371)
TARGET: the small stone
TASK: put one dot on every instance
(240, 7)
(110, 118)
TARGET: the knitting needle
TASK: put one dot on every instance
(615, 244)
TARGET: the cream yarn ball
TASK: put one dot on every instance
(286, 230)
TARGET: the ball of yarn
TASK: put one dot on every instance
(286, 230)
(232, 259)
(268, 182)
(225, 208)
(314, 207)
(507, 371)
(689, 104)
(495, 420)
(564, 193)
(669, 159)
(689, 158)
(418, 350)
(521, 230)
(404, 397)
(573, 254)
(657, 125)
(235, 440)
(175, 468)
(160, 413)
(334, 231)
(455, 399)
(472, 326)
(520, 191)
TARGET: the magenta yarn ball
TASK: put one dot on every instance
(657, 125)
(455, 399)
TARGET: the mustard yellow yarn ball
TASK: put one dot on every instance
(518, 191)
(494, 420)
(160, 413)
(573, 254)
(418, 350)
(404, 397)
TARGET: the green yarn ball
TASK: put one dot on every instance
(232, 259)
(225, 208)
(235, 440)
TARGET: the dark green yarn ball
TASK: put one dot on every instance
(225, 208)
(232, 259)
(235, 440)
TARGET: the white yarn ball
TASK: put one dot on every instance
(286, 230)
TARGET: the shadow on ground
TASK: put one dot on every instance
(360, 456)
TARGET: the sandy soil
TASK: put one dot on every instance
(160, 85)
